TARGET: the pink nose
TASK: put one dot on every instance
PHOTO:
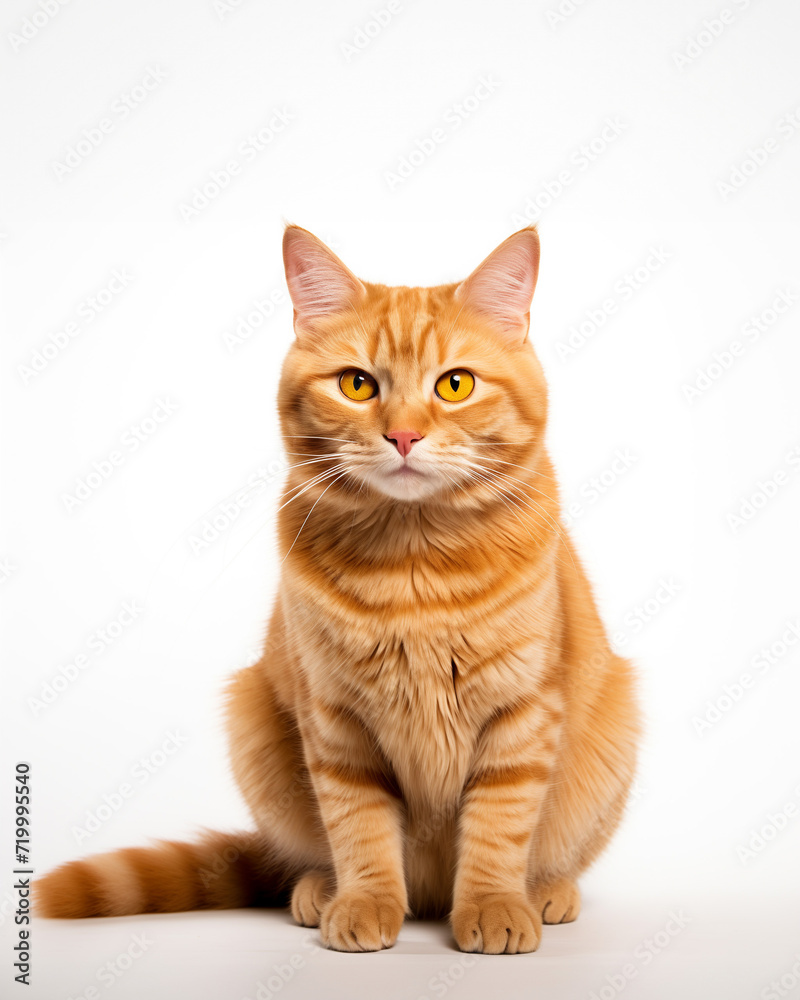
(404, 440)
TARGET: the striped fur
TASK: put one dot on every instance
(221, 871)
(437, 725)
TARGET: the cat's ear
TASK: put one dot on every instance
(319, 283)
(501, 288)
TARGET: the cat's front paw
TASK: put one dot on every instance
(559, 902)
(361, 921)
(496, 924)
(309, 897)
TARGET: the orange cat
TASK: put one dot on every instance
(437, 724)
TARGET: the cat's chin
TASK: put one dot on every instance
(406, 484)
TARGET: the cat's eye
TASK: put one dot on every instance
(455, 385)
(357, 385)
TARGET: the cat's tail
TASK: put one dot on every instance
(220, 871)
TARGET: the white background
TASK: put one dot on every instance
(684, 125)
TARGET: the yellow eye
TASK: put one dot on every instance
(455, 385)
(358, 385)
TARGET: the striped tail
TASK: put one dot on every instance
(221, 871)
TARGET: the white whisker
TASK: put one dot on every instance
(498, 493)
(514, 479)
(306, 485)
(516, 466)
(531, 503)
(308, 515)
(318, 437)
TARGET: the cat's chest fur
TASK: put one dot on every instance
(421, 710)
(424, 650)
(424, 682)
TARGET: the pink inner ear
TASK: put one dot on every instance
(319, 283)
(501, 288)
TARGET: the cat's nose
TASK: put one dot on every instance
(404, 440)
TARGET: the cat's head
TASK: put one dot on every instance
(418, 394)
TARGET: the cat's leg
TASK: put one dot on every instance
(362, 817)
(492, 908)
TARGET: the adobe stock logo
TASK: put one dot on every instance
(92, 137)
(90, 309)
(579, 161)
(643, 955)
(35, 22)
(140, 774)
(779, 988)
(749, 507)
(623, 290)
(129, 443)
(564, 9)
(735, 690)
(750, 333)
(222, 8)
(598, 485)
(115, 968)
(222, 518)
(259, 312)
(667, 589)
(758, 156)
(366, 33)
(247, 151)
(709, 33)
(773, 824)
(53, 686)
